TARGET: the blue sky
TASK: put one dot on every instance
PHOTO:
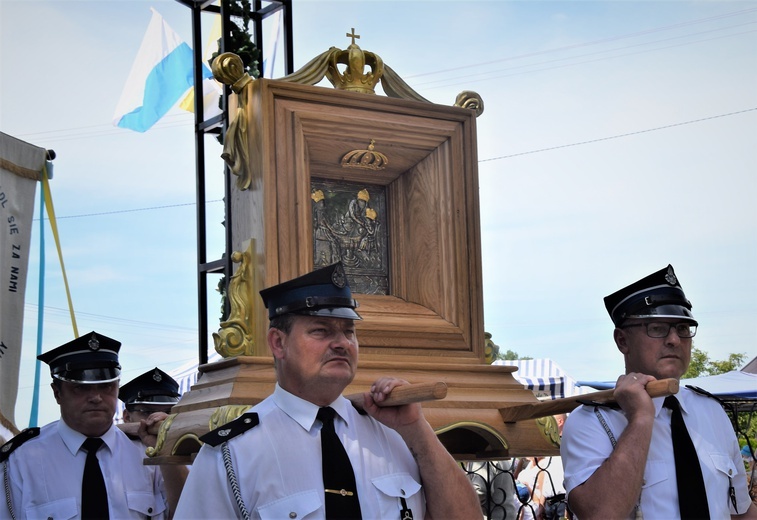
(617, 137)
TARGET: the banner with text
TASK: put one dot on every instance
(20, 166)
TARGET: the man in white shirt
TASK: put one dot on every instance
(44, 468)
(267, 463)
(620, 462)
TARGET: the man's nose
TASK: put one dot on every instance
(672, 338)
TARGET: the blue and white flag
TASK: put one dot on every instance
(162, 73)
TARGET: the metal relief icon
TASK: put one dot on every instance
(349, 224)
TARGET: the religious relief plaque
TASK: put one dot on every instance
(349, 224)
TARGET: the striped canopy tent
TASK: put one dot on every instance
(544, 377)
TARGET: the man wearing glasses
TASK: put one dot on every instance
(631, 461)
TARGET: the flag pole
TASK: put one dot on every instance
(34, 414)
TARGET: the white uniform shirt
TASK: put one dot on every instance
(586, 445)
(45, 476)
(278, 466)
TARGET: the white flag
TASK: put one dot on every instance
(20, 165)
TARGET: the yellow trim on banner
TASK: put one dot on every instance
(54, 227)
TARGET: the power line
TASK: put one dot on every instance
(618, 136)
(506, 72)
(457, 68)
(600, 139)
(133, 210)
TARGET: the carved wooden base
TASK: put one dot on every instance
(467, 421)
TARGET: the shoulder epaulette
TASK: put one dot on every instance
(231, 429)
(610, 404)
(359, 409)
(7, 448)
(702, 391)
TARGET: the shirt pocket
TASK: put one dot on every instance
(294, 506)
(655, 471)
(62, 509)
(724, 465)
(145, 503)
(395, 489)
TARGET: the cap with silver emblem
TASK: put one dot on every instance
(153, 387)
(89, 359)
(323, 292)
(658, 295)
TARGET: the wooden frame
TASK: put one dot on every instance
(298, 132)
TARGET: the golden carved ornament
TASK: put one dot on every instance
(162, 433)
(369, 159)
(471, 100)
(235, 337)
(355, 79)
(229, 70)
(226, 413)
(548, 428)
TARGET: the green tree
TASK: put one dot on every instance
(701, 365)
(511, 356)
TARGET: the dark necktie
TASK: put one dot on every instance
(94, 497)
(692, 495)
(338, 477)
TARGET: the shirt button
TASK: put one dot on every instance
(149, 510)
(402, 491)
(292, 515)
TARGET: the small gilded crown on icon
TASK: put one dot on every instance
(370, 213)
(369, 159)
(317, 196)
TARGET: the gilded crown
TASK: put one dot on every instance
(368, 159)
(363, 195)
(317, 196)
(354, 78)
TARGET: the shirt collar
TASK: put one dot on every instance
(73, 439)
(683, 396)
(303, 412)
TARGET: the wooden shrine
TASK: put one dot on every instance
(388, 184)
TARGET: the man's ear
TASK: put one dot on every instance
(621, 340)
(56, 392)
(275, 338)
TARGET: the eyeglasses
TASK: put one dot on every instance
(661, 329)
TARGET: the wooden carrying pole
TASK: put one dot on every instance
(413, 393)
(523, 411)
(406, 394)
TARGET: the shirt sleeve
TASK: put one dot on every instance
(207, 493)
(584, 446)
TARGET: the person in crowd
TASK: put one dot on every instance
(494, 482)
(652, 456)
(81, 466)
(268, 463)
(148, 399)
(544, 480)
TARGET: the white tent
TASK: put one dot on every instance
(735, 383)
